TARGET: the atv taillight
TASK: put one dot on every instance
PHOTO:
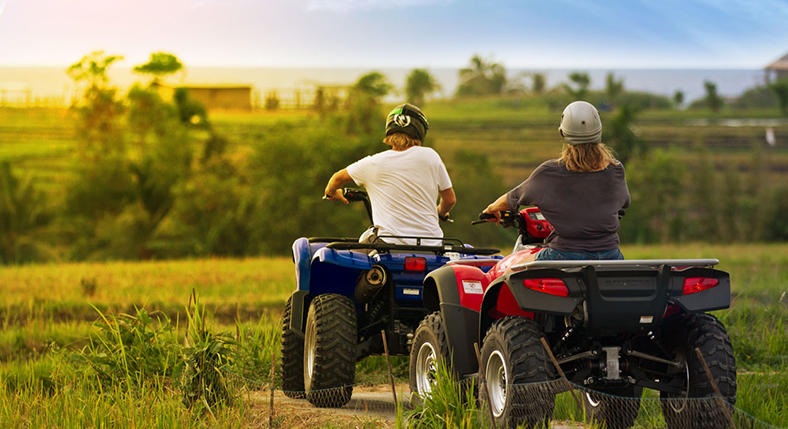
(555, 287)
(697, 284)
(415, 264)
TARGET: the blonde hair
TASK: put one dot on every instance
(401, 141)
(587, 157)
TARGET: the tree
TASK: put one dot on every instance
(712, 100)
(161, 64)
(538, 84)
(419, 84)
(780, 90)
(23, 219)
(482, 77)
(582, 81)
(365, 100)
(619, 134)
(613, 88)
(678, 98)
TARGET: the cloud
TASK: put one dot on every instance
(349, 5)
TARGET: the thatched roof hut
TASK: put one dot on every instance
(778, 69)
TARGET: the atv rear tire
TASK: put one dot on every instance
(292, 360)
(706, 333)
(330, 351)
(613, 408)
(429, 347)
(513, 356)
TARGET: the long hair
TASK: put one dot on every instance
(401, 141)
(587, 157)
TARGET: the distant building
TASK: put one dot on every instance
(213, 97)
(777, 70)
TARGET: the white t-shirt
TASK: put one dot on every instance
(403, 188)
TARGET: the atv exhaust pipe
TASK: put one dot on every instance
(369, 283)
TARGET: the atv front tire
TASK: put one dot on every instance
(513, 356)
(330, 351)
(706, 333)
(292, 360)
(429, 347)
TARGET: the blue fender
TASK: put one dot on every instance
(321, 270)
(336, 271)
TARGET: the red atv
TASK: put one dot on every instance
(614, 327)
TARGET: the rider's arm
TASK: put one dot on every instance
(497, 206)
(447, 201)
(334, 188)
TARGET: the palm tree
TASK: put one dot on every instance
(419, 84)
(481, 78)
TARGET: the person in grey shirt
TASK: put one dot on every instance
(580, 194)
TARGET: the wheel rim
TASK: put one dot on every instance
(497, 377)
(679, 402)
(310, 340)
(592, 400)
(425, 369)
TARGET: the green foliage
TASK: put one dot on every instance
(476, 186)
(780, 90)
(538, 83)
(481, 77)
(656, 183)
(92, 68)
(191, 113)
(712, 100)
(373, 84)
(449, 405)
(365, 103)
(24, 218)
(160, 64)
(418, 85)
(619, 134)
(290, 166)
(208, 359)
(581, 81)
(759, 97)
(132, 351)
(777, 215)
(613, 88)
(678, 98)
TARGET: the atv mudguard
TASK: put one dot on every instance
(461, 323)
(320, 270)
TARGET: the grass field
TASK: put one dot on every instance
(49, 310)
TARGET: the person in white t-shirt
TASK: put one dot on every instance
(403, 183)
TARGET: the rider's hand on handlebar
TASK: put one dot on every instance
(496, 215)
(336, 195)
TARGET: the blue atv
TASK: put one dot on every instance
(347, 292)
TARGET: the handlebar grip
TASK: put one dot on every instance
(486, 216)
(478, 222)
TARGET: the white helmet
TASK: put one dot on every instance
(580, 124)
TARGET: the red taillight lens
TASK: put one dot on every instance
(555, 287)
(415, 264)
(697, 284)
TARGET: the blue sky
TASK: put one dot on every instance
(404, 33)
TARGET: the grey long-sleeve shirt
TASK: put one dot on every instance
(582, 207)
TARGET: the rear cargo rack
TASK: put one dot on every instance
(652, 263)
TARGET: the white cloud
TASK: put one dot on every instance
(348, 5)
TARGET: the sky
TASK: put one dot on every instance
(530, 34)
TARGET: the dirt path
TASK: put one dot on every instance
(370, 407)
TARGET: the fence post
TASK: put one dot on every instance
(561, 373)
(716, 389)
(388, 363)
(273, 366)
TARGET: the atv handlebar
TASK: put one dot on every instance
(508, 218)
